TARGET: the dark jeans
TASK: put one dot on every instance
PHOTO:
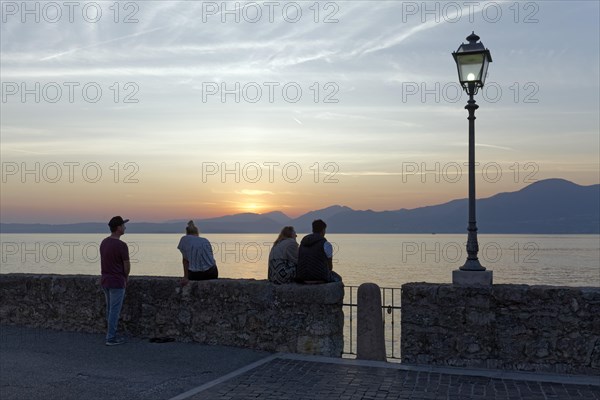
(114, 302)
(334, 277)
(212, 273)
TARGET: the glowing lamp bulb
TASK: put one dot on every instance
(471, 77)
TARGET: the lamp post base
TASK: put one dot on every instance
(472, 265)
(472, 278)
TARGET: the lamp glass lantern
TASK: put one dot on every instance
(472, 60)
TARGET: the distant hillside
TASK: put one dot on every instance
(552, 206)
(549, 206)
(304, 222)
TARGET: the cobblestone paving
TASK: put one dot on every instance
(283, 379)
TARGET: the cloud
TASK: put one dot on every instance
(250, 192)
(117, 39)
(370, 173)
(7, 150)
(491, 146)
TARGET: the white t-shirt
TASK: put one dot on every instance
(198, 251)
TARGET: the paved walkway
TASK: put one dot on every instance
(296, 379)
(44, 364)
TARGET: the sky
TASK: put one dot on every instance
(160, 110)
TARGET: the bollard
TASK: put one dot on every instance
(370, 342)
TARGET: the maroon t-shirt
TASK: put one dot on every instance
(113, 254)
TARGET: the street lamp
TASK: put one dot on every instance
(472, 60)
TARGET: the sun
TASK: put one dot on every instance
(251, 207)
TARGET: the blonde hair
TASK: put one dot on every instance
(286, 232)
(191, 229)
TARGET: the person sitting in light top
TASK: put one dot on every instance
(283, 257)
(198, 260)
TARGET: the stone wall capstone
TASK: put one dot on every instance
(515, 327)
(244, 313)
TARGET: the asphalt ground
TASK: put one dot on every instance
(47, 364)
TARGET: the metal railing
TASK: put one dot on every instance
(390, 309)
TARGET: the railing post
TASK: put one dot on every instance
(370, 341)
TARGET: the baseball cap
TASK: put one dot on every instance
(116, 221)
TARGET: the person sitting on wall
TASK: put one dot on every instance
(283, 257)
(315, 257)
(198, 260)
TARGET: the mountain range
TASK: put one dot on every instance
(551, 206)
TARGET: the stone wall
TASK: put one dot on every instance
(516, 327)
(245, 313)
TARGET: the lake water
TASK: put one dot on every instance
(388, 260)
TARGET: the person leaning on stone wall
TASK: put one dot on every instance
(283, 257)
(115, 268)
(198, 260)
(315, 257)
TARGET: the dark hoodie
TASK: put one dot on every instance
(312, 260)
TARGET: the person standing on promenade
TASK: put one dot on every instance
(283, 257)
(115, 266)
(315, 257)
(198, 261)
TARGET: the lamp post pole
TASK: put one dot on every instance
(472, 60)
(472, 263)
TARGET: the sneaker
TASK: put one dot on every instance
(115, 342)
